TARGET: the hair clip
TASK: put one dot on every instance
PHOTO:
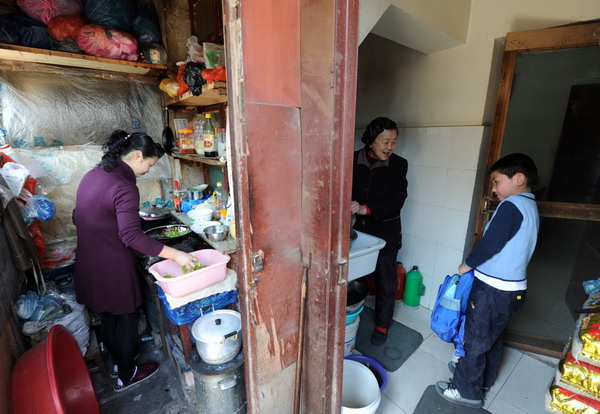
(127, 137)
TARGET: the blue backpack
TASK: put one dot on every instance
(448, 316)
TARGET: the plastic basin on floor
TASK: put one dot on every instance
(52, 377)
(375, 367)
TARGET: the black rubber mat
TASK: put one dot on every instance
(401, 342)
(431, 402)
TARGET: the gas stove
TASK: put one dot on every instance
(189, 243)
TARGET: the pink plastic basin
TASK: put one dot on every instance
(52, 378)
(184, 284)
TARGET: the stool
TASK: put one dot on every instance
(93, 355)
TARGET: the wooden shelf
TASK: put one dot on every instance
(212, 94)
(54, 57)
(199, 158)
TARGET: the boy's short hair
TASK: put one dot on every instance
(516, 163)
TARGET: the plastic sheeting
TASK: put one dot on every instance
(65, 166)
(42, 109)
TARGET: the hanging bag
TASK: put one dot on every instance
(448, 316)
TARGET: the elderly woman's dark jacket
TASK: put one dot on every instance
(382, 186)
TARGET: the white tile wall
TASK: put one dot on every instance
(442, 175)
(443, 181)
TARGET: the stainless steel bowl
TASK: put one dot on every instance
(216, 233)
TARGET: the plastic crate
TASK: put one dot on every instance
(189, 312)
(183, 284)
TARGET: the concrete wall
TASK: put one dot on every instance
(450, 88)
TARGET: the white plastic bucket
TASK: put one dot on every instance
(360, 390)
(350, 336)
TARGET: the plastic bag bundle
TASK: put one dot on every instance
(169, 86)
(114, 14)
(69, 46)
(214, 55)
(40, 207)
(63, 28)
(26, 304)
(44, 10)
(155, 54)
(48, 308)
(99, 41)
(218, 74)
(192, 76)
(146, 27)
(22, 30)
(586, 341)
(77, 323)
(195, 51)
(15, 176)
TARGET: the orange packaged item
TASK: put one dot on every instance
(185, 137)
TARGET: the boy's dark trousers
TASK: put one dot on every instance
(488, 313)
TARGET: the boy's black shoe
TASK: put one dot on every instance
(378, 337)
(447, 391)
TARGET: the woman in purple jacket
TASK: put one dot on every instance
(108, 225)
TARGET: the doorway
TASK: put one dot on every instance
(548, 107)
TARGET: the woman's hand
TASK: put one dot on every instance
(356, 208)
(183, 259)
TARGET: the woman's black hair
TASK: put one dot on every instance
(376, 127)
(120, 143)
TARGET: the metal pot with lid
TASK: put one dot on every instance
(154, 213)
(218, 336)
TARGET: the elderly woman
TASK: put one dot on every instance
(379, 189)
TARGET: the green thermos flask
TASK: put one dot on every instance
(413, 288)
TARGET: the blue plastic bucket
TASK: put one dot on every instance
(350, 317)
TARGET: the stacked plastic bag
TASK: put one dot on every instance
(576, 386)
(39, 313)
(117, 29)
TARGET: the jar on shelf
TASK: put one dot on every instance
(185, 137)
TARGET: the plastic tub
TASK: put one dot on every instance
(350, 336)
(375, 367)
(363, 255)
(350, 317)
(183, 284)
(360, 391)
(52, 377)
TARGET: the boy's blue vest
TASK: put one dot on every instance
(448, 316)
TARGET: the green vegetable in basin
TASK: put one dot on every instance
(168, 276)
(173, 234)
(197, 266)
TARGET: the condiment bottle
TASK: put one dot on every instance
(186, 141)
(176, 198)
(220, 200)
(209, 138)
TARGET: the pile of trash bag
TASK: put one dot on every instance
(39, 313)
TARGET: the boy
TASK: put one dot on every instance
(499, 261)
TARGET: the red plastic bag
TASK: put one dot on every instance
(183, 87)
(45, 10)
(218, 74)
(98, 41)
(63, 28)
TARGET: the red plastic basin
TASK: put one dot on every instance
(52, 377)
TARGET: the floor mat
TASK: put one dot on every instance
(431, 402)
(401, 342)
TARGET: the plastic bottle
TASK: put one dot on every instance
(414, 288)
(176, 198)
(401, 276)
(210, 149)
(198, 124)
(221, 200)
